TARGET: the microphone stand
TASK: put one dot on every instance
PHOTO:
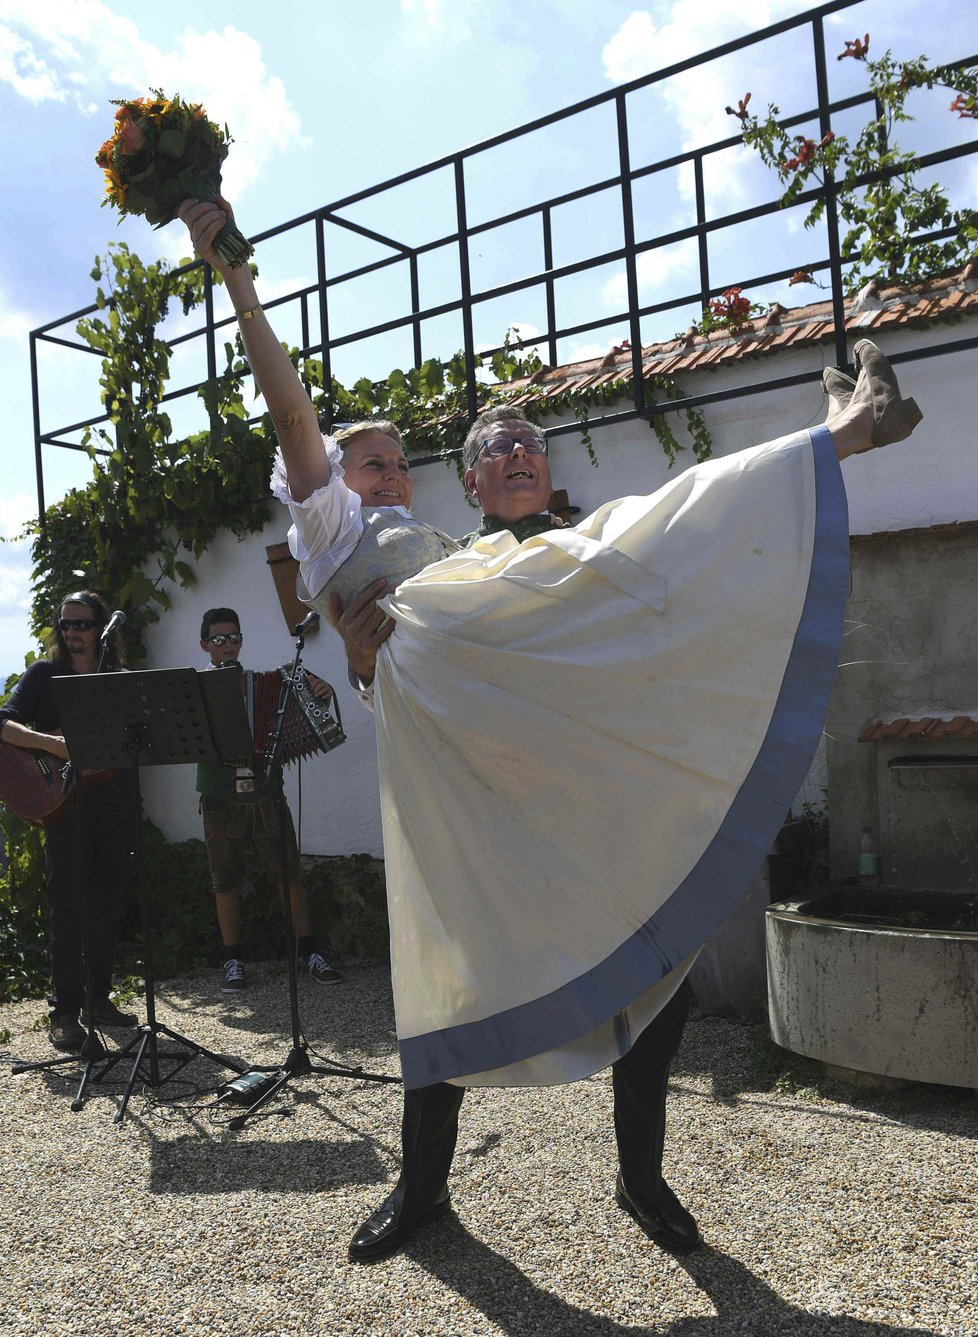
(297, 1062)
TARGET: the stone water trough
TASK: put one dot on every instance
(881, 976)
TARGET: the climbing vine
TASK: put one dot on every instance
(157, 500)
(887, 210)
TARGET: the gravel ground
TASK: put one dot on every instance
(824, 1211)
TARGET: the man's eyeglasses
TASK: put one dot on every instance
(78, 623)
(497, 446)
(233, 636)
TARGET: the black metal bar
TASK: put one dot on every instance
(548, 264)
(36, 407)
(369, 233)
(304, 319)
(701, 234)
(629, 252)
(466, 289)
(209, 327)
(324, 322)
(831, 202)
(415, 308)
(68, 343)
(631, 270)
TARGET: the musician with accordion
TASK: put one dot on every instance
(87, 846)
(240, 812)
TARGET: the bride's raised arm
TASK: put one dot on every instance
(288, 404)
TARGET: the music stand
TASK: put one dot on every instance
(155, 717)
(297, 1062)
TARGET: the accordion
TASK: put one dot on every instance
(309, 727)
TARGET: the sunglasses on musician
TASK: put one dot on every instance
(78, 623)
(231, 638)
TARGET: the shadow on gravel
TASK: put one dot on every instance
(516, 1305)
(741, 1059)
(188, 1165)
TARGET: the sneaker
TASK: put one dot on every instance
(234, 976)
(105, 1013)
(67, 1032)
(321, 971)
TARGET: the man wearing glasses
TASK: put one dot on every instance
(240, 814)
(87, 853)
(507, 472)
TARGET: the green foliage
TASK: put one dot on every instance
(152, 499)
(888, 215)
(347, 897)
(183, 922)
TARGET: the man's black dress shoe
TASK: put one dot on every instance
(382, 1233)
(67, 1033)
(666, 1221)
(105, 1013)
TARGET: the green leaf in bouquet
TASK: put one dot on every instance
(172, 144)
(144, 175)
(138, 201)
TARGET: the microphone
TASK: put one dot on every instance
(310, 620)
(116, 620)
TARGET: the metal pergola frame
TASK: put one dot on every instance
(549, 275)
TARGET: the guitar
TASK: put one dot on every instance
(30, 785)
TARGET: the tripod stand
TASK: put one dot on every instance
(297, 1062)
(154, 717)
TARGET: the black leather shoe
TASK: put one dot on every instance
(666, 1221)
(382, 1233)
(67, 1033)
(105, 1013)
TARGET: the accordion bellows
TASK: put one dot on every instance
(312, 724)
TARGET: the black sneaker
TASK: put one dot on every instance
(105, 1013)
(321, 971)
(234, 976)
(67, 1032)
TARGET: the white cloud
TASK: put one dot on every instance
(694, 101)
(80, 51)
(658, 271)
(15, 511)
(14, 324)
(446, 20)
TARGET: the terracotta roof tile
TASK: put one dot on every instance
(928, 728)
(943, 299)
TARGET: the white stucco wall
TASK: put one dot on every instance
(928, 480)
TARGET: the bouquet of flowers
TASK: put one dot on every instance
(164, 151)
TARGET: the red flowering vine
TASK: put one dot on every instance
(855, 48)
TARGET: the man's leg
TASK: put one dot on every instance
(640, 1081)
(267, 847)
(108, 874)
(429, 1131)
(65, 951)
(224, 858)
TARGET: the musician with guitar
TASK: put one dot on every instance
(87, 848)
(239, 813)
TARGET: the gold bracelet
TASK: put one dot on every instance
(248, 315)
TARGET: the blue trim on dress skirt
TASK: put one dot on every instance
(718, 880)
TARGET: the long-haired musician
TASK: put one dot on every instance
(89, 849)
(240, 814)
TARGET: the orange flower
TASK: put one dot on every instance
(132, 139)
(855, 48)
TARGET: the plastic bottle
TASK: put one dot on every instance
(869, 858)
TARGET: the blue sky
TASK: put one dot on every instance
(326, 98)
